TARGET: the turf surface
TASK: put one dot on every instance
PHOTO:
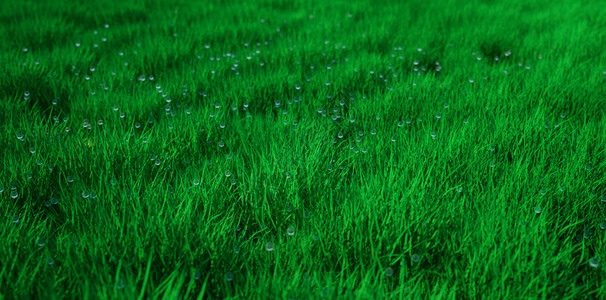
(303, 149)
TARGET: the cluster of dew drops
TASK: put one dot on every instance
(359, 139)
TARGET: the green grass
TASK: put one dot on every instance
(380, 208)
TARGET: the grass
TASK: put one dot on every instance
(443, 150)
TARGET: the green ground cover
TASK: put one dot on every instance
(303, 149)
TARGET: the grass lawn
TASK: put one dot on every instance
(273, 149)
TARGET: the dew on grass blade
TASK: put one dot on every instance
(594, 262)
(290, 231)
(538, 209)
(15, 219)
(120, 284)
(459, 188)
(389, 272)
(54, 200)
(236, 249)
(229, 276)
(14, 194)
(416, 258)
(85, 194)
(603, 226)
(543, 191)
(227, 173)
(41, 242)
(269, 246)
(197, 275)
(196, 181)
(70, 178)
(50, 261)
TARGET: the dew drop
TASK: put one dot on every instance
(594, 262)
(269, 246)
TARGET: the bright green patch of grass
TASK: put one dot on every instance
(449, 149)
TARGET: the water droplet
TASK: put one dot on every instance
(269, 246)
(491, 147)
(197, 275)
(221, 144)
(120, 284)
(70, 178)
(416, 258)
(229, 276)
(14, 194)
(594, 262)
(196, 181)
(41, 242)
(537, 209)
(15, 219)
(236, 249)
(288, 175)
(543, 191)
(50, 261)
(389, 272)
(438, 116)
(603, 226)
(54, 201)
(114, 181)
(85, 194)
(32, 150)
(563, 116)
(227, 173)
(459, 188)
(290, 231)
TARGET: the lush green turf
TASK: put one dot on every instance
(428, 149)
